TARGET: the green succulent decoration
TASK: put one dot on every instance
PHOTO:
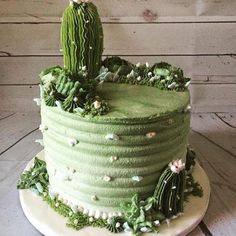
(70, 92)
(160, 75)
(139, 215)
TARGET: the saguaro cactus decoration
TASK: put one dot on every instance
(169, 193)
(82, 38)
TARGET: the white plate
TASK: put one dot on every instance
(50, 223)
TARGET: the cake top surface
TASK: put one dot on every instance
(134, 101)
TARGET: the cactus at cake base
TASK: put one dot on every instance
(169, 193)
(82, 38)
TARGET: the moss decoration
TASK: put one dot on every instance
(138, 216)
(160, 75)
(36, 178)
(82, 38)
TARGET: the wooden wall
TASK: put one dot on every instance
(199, 36)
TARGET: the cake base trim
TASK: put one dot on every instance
(49, 222)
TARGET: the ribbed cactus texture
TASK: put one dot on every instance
(82, 38)
(169, 193)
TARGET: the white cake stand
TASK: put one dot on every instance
(50, 223)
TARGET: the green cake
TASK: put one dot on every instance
(114, 134)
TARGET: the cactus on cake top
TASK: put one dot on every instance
(82, 38)
(73, 87)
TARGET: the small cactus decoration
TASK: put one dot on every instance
(169, 193)
(82, 38)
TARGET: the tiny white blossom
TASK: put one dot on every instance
(177, 166)
(76, 221)
(151, 135)
(113, 158)
(138, 64)
(147, 64)
(107, 178)
(117, 225)
(156, 222)
(75, 99)
(97, 104)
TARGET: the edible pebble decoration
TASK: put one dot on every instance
(94, 198)
(114, 158)
(113, 137)
(137, 178)
(72, 142)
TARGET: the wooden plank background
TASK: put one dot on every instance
(198, 36)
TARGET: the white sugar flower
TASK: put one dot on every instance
(97, 104)
(107, 178)
(177, 166)
(151, 135)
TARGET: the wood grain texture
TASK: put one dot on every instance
(220, 167)
(12, 163)
(228, 118)
(226, 135)
(16, 127)
(126, 39)
(218, 69)
(213, 97)
(122, 10)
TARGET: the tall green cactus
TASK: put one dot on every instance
(82, 38)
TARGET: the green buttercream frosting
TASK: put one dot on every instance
(142, 135)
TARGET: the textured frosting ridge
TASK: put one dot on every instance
(99, 162)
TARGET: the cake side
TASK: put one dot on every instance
(97, 164)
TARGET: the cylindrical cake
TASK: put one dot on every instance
(96, 163)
